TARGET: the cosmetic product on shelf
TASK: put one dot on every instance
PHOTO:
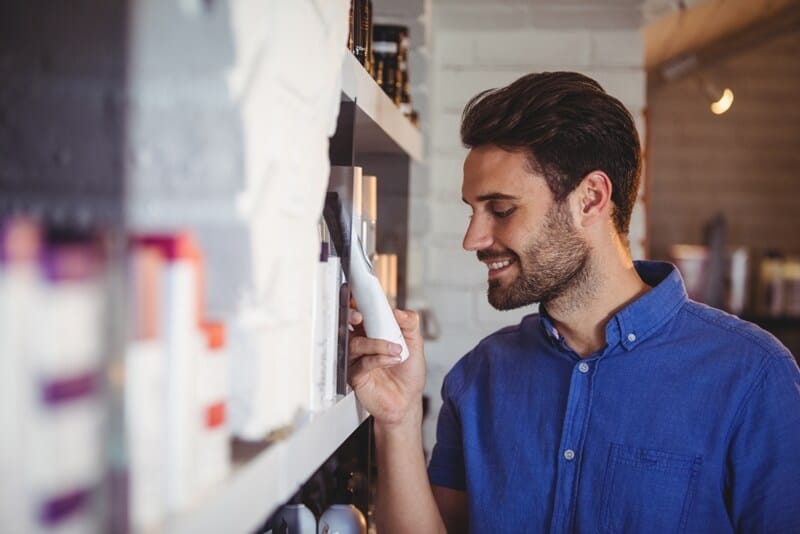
(361, 31)
(63, 434)
(357, 209)
(317, 349)
(379, 321)
(367, 31)
(385, 266)
(342, 213)
(334, 279)
(20, 286)
(394, 274)
(326, 306)
(180, 326)
(387, 40)
(739, 274)
(390, 51)
(294, 519)
(342, 519)
(351, 29)
(212, 454)
(369, 213)
(771, 289)
(145, 389)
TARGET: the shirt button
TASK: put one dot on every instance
(569, 455)
(583, 367)
(631, 337)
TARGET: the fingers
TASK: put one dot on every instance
(354, 317)
(408, 320)
(365, 364)
(367, 354)
(363, 346)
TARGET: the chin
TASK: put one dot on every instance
(504, 300)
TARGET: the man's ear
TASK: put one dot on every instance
(593, 198)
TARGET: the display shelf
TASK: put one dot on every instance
(380, 126)
(258, 485)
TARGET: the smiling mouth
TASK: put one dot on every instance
(498, 267)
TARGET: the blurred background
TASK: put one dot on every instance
(164, 170)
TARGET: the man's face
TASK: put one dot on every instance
(527, 240)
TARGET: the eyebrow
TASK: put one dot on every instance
(492, 196)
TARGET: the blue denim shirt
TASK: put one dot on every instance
(687, 421)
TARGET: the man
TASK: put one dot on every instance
(621, 406)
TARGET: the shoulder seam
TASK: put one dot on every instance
(769, 351)
(456, 394)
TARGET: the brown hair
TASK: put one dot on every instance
(569, 126)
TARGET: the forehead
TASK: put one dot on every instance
(490, 169)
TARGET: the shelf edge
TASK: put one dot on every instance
(255, 490)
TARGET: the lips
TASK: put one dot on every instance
(497, 266)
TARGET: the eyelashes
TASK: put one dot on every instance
(500, 214)
(503, 214)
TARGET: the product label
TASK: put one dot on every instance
(384, 47)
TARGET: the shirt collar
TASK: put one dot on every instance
(641, 318)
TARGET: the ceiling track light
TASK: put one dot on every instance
(720, 100)
(687, 65)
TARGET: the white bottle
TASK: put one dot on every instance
(326, 327)
(294, 519)
(181, 307)
(20, 290)
(379, 320)
(317, 349)
(64, 447)
(369, 214)
(342, 519)
(144, 391)
(334, 277)
(212, 441)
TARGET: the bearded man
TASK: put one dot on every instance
(622, 405)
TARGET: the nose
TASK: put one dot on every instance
(478, 235)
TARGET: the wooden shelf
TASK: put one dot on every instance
(380, 128)
(260, 484)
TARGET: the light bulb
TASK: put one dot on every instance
(724, 103)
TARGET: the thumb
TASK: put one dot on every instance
(409, 326)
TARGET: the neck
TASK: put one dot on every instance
(582, 313)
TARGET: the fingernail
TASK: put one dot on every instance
(396, 349)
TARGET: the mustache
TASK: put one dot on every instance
(484, 255)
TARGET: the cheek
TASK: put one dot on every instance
(520, 238)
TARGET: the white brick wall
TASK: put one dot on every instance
(475, 47)
(526, 47)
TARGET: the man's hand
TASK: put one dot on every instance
(390, 390)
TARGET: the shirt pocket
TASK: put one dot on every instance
(647, 490)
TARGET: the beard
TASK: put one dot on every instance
(555, 262)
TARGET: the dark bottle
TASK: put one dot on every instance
(390, 48)
(369, 63)
(351, 33)
(361, 31)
